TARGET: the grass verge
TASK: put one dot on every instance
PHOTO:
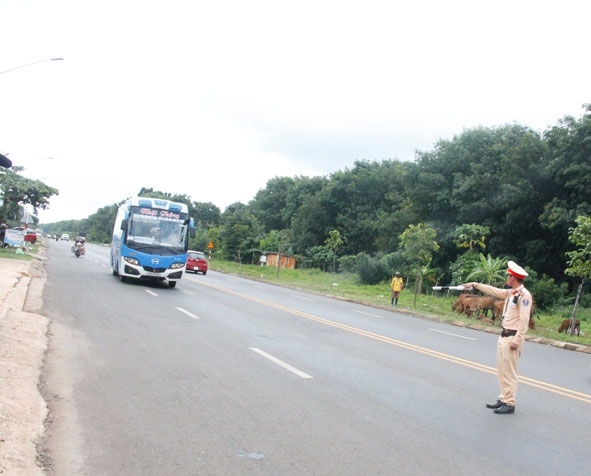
(12, 253)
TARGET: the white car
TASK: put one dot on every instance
(65, 237)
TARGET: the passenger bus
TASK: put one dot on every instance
(150, 240)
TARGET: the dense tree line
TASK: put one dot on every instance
(525, 189)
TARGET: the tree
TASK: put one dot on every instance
(370, 205)
(320, 256)
(149, 192)
(311, 223)
(205, 214)
(418, 244)
(580, 259)
(99, 226)
(567, 185)
(269, 204)
(239, 232)
(18, 190)
(334, 242)
(470, 236)
(491, 177)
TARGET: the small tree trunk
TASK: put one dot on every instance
(418, 286)
(571, 327)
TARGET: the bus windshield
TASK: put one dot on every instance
(164, 235)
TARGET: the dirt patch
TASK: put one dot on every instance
(23, 342)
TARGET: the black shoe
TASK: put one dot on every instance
(505, 409)
(499, 404)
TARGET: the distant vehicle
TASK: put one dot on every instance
(65, 237)
(30, 236)
(151, 239)
(197, 262)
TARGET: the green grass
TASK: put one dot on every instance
(12, 254)
(437, 306)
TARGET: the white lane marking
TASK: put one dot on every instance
(151, 292)
(286, 366)
(366, 313)
(301, 298)
(450, 334)
(187, 313)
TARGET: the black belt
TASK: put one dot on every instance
(508, 332)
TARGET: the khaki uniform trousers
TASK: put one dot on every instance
(507, 370)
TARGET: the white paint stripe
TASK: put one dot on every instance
(450, 334)
(151, 292)
(301, 298)
(366, 313)
(187, 313)
(299, 373)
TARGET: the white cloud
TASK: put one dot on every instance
(212, 99)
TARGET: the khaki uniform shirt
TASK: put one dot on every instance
(515, 314)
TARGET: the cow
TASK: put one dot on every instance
(566, 324)
(499, 306)
(459, 304)
(473, 303)
(480, 304)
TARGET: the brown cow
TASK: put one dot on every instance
(480, 304)
(500, 307)
(566, 324)
(460, 303)
(473, 303)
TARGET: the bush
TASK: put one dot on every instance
(547, 294)
(462, 267)
(348, 263)
(371, 270)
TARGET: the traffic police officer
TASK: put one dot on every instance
(514, 325)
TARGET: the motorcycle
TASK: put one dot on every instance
(78, 249)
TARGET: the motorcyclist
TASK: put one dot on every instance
(79, 245)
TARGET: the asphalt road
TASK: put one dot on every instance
(226, 376)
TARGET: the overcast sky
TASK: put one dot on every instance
(213, 98)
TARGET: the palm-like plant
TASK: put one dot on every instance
(489, 270)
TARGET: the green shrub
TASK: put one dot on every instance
(371, 270)
(546, 293)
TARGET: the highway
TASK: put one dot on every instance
(227, 376)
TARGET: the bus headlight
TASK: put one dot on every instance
(177, 265)
(131, 260)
